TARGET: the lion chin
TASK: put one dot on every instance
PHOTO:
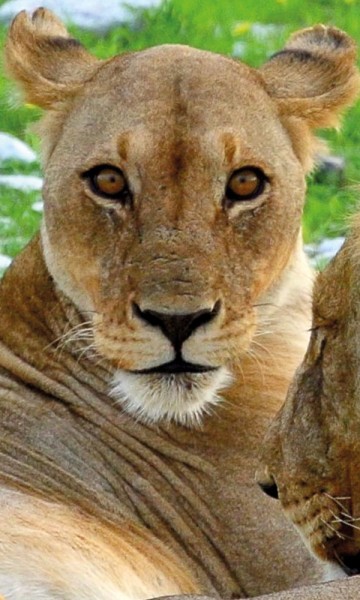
(182, 398)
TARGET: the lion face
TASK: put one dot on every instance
(174, 185)
(312, 450)
(161, 265)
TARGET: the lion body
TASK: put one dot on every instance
(66, 441)
(128, 449)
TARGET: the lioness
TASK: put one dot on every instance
(149, 333)
(312, 451)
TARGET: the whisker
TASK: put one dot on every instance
(337, 501)
(263, 333)
(85, 350)
(265, 304)
(340, 497)
(262, 347)
(78, 334)
(253, 356)
(102, 359)
(347, 523)
(71, 331)
(337, 533)
(238, 365)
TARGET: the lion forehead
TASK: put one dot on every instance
(175, 83)
(204, 104)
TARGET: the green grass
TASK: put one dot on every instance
(220, 27)
(18, 221)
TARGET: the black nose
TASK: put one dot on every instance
(177, 328)
(270, 489)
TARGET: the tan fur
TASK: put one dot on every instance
(117, 474)
(86, 557)
(312, 449)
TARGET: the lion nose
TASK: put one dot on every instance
(270, 488)
(350, 563)
(177, 328)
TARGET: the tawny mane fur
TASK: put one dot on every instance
(148, 339)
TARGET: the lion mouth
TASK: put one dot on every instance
(176, 366)
(176, 391)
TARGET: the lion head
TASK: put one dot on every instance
(174, 187)
(311, 456)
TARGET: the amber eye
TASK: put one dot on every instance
(245, 184)
(108, 182)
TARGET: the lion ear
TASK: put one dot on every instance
(314, 77)
(47, 63)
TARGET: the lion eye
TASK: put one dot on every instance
(108, 182)
(245, 184)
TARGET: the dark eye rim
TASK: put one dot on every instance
(90, 175)
(232, 197)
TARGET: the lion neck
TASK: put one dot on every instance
(35, 325)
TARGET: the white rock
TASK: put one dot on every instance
(37, 207)
(4, 261)
(330, 246)
(325, 250)
(239, 49)
(263, 31)
(11, 148)
(97, 15)
(25, 183)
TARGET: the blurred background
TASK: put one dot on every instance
(250, 31)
